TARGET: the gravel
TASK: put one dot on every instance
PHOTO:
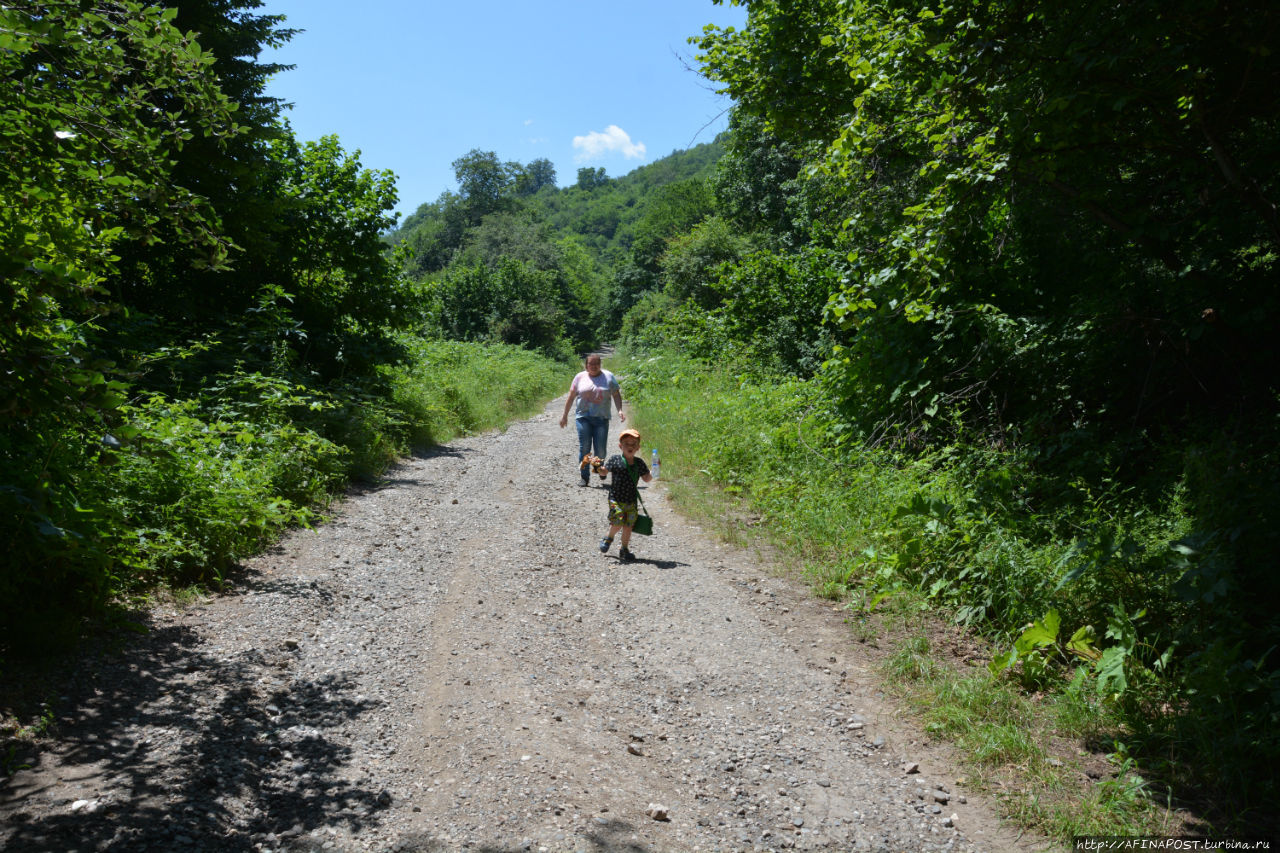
(451, 664)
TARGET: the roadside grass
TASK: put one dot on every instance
(1044, 757)
(452, 388)
(740, 457)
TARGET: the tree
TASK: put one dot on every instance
(691, 262)
(160, 275)
(972, 142)
(345, 286)
(670, 210)
(484, 183)
(432, 235)
(533, 177)
(589, 178)
(516, 236)
(87, 166)
(95, 108)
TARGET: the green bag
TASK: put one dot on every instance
(644, 524)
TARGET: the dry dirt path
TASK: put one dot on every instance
(451, 664)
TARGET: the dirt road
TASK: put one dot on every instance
(452, 664)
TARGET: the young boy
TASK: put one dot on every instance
(623, 495)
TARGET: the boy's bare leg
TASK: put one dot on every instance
(626, 537)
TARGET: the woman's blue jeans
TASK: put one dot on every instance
(592, 431)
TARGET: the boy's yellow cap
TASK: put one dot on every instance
(629, 432)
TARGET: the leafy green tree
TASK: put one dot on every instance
(87, 167)
(968, 150)
(517, 236)
(585, 298)
(764, 185)
(538, 174)
(691, 262)
(599, 221)
(669, 211)
(482, 303)
(432, 235)
(536, 326)
(345, 288)
(773, 307)
(485, 184)
(160, 274)
(589, 178)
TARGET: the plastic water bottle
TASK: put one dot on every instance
(655, 465)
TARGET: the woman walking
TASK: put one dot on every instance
(590, 395)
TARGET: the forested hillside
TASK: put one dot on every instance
(972, 309)
(512, 257)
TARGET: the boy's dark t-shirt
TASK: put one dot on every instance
(622, 487)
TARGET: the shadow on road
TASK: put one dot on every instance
(659, 564)
(264, 756)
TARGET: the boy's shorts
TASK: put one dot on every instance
(623, 513)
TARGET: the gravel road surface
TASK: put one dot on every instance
(451, 664)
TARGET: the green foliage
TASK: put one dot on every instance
(690, 262)
(655, 319)
(669, 212)
(985, 180)
(762, 311)
(187, 487)
(514, 303)
(1061, 249)
(773, 307)
(485, 185)
(590, 178)
(603, 236)
(448, 388)
(85, 168)
(195, 494)
(763, 186)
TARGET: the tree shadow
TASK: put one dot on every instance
(394, 475)
(263, 753)
(440, 450)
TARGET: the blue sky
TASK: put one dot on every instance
(415, 84)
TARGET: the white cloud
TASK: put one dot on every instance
(614, 139)
(528, 122)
